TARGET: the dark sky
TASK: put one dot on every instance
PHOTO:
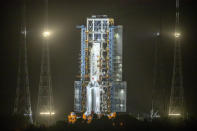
(140, 19)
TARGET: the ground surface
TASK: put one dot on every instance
(124, 122)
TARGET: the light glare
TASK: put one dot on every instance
(46, 34)
(177, 34)
(47, 113)
(174, 114)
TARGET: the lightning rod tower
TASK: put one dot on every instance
(155, 112)
(22, 101)
(176, 98)
(45, 108)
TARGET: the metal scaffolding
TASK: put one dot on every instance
(45, 105)
(100, 89)
(22, 102)
(176, 98)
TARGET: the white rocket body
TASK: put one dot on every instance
(93, 88)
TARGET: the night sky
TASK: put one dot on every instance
(140, 20)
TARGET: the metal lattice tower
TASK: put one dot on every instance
(22, 102)
(155, 111)
(176, 98)
(45, 108)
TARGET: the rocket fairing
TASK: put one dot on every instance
(100, 89)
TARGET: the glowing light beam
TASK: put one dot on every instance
(47, 113)
(174, 114)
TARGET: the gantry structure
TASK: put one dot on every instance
(45, 107)
(176, 105)
(100, 89)
(22, 101)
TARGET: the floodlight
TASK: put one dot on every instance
(46, 34)
(177, 34)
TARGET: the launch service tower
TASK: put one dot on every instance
(100, 89)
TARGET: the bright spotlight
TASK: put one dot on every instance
(47, 113)
(46, 34)
(174, 114)
(177, 34)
